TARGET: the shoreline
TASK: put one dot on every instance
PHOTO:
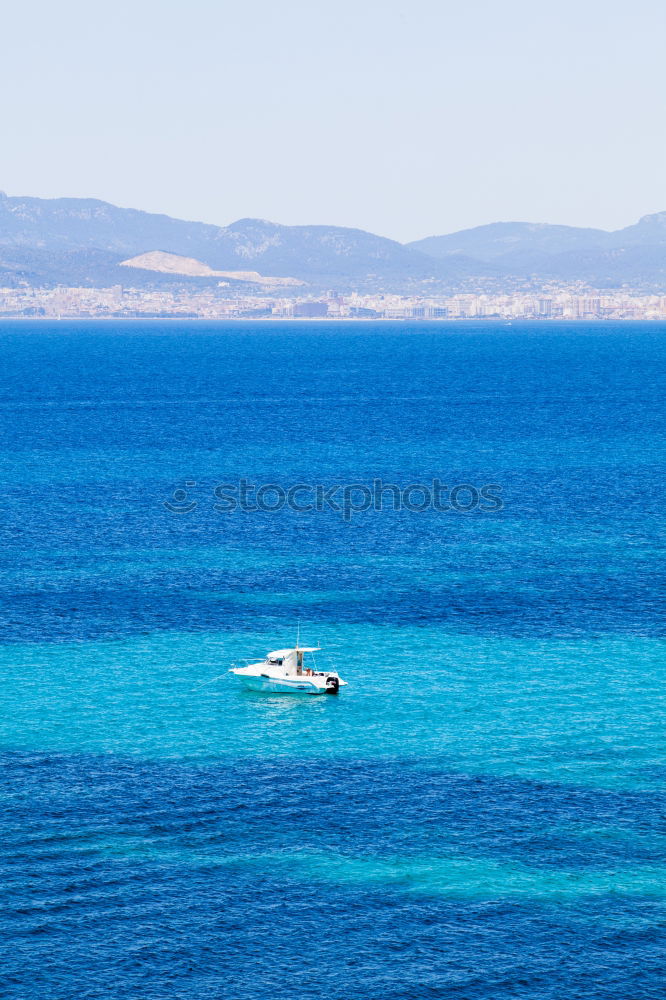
(322, 320)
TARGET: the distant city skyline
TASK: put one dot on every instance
(552, 302)
(406, 121)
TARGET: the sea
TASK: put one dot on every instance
(480, 814)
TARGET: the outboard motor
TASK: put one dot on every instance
(332, 684)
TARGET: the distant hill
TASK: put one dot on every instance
(501, 240)
(77, 241)
(98, 237)
(635, 255)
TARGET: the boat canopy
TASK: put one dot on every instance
(282, 653)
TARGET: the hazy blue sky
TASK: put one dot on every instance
(406, 119)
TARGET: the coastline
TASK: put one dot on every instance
(346, 320)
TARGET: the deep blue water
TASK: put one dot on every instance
(481, 813)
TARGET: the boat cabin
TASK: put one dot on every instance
(291, 660)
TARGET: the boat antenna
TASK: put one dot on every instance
(298, 633)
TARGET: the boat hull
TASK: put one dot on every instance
(280, 685)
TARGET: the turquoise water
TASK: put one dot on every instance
(559, 710)
(481, 812)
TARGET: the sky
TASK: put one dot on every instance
(404, 119)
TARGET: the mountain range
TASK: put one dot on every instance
(73, 241)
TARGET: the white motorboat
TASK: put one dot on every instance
(285, 672)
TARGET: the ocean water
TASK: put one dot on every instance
(481, 813)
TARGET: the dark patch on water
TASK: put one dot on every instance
(80, 921)
(363, 807)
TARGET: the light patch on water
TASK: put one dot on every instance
(576, 712)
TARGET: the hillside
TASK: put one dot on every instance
(173, 264)
(74, 241)
(634, 255)
(80, 230)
